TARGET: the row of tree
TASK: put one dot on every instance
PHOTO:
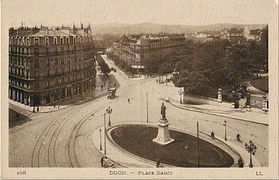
(122, 64)
(103, 65)
(214, 64)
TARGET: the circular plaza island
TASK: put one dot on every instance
(185, 151)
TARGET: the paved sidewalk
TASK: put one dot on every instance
(42, 109)
(225, 110)
(213, 107)
(117, 155)
(243, 153)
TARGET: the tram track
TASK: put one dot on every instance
(35, 162)
(72, 142)
(45, 148)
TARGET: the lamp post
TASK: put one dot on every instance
(100, 130)
(225, 124)
(147, 107)
(251, 148)
(198, 148)
(105, 148)
(180, 92)
(109, 111)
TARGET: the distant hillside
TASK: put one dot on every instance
(119, 28)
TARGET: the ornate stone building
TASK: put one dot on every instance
(134, 49)
(47, 65)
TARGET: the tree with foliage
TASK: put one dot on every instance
(103, 65)
(194, 82)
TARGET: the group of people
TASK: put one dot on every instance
(237, 136)
(55, 106)
(240, 160)
(239, 94)
(106, 162)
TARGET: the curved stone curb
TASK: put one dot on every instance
(215, 114)
(222, 145)
(100, 152)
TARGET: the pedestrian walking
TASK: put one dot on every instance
(240, 163)
(212, 135)
(102, 161)
(37, 109)
(238, 137)
(17, 116)
(129, 100)
(157, 162)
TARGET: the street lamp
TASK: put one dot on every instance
(251, 148)
(180, 92)
(105, 148)
(109, 111)
(225, 124)
(100, 130)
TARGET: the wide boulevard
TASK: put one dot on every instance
(63, 138)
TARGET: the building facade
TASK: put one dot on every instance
(134, 49)
(49, 65)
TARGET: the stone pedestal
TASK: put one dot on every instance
(163, 136)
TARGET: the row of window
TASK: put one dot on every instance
(21, 72)
(20, 83)
(59, 60)
(49, 40)
(66, 79)
(26, 50)
(151, 46)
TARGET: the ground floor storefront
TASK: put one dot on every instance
(51, 96)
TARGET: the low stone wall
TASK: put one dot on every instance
(198, 100)
(257, 101)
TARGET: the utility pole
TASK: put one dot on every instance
(105, 148)
(225, 124)
(100, 130)
(198, 149)
(147, 107)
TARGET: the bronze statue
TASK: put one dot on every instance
(163, 111)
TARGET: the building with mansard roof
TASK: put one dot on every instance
(134, 49)
(48, 65)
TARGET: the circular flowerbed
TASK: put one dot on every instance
(183, 152)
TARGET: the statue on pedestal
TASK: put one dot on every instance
(163, 135)
(163, 111)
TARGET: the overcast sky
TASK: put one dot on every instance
(186, 12)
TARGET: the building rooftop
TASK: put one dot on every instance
(45, 31)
